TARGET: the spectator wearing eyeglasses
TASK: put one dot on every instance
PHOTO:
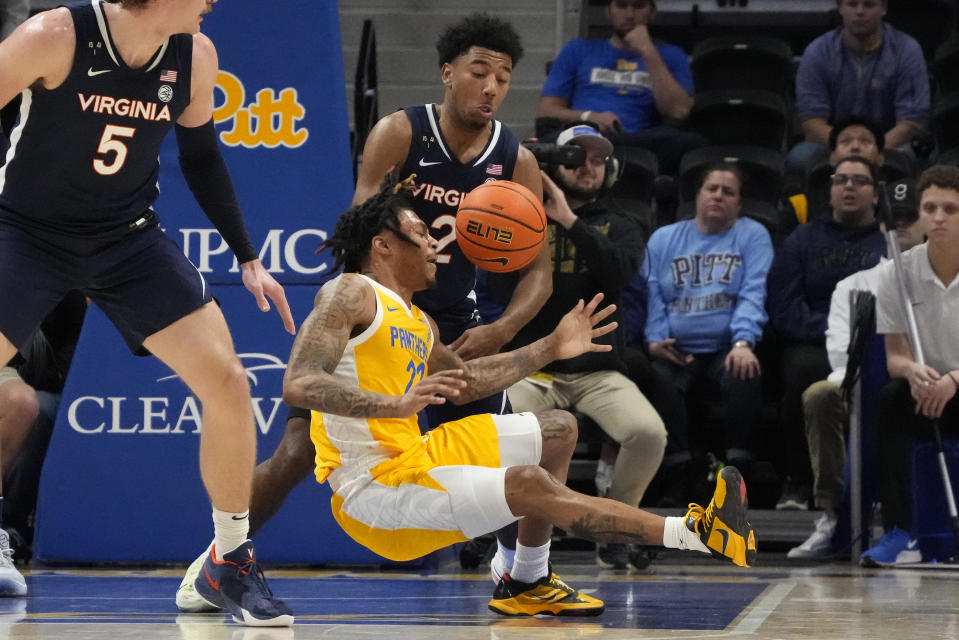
(804, 273)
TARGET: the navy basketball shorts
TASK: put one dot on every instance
(141, 280)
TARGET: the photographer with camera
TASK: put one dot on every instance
(593, 250)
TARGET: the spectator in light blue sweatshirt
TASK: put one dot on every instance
(707, 289)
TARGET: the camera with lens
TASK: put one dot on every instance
(549, 154)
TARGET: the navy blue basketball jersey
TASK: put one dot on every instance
(441, 182)
(83, 158)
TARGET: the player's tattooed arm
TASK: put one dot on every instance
(344, 307)
(574, 335)
(489, 374)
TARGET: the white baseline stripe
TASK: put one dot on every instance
(766, 605)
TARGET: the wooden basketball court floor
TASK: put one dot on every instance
(677, 597)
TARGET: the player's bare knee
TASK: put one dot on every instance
(529, 487)
(558, 426)
(234, 383)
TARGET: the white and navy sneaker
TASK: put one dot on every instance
(235, 582)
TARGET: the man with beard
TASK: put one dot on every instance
(594, 250)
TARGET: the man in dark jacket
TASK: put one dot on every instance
(593, 250)
(803, 276)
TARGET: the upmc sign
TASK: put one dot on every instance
(121, 480)
(280, 114)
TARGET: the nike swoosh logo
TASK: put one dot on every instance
(391, 309)
(725, 535)
(499, 260)
(213, 583)
(547, 597)
(240, 517)
(912, 544)
(424, 163)
(91, 72)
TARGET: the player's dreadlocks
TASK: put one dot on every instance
(350, 241)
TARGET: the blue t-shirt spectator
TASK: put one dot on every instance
(887, 85)
(593, 75)
(707, 290)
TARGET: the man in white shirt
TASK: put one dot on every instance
(918, 393)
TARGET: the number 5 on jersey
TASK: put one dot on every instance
(110, 144)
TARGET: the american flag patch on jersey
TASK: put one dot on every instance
(168, 75)
(494, 169)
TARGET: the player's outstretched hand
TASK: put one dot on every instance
(261, 284)
(576, 330)
(433, 389)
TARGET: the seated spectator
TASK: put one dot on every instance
(866, 69)
(628, 85)
(29, 394)
(918, 393)
(804, 274)
(824, 407)
(706, 292)
(850, 137)
(593, 250)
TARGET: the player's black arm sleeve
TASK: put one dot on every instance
(207, 176)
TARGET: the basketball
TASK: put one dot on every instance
(500, 226)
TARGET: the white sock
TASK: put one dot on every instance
(230, 530)
(677, 536)
(530, 563)
(503, 560)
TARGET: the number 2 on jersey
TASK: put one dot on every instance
(108, 144)
(415, 370)
(443, 242)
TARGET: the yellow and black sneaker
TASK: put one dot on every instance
(548, 595)
(722, 526)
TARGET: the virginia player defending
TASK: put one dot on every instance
(367, 360)
(452, 148)
(102, 84)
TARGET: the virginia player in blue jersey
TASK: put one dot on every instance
(102, 83)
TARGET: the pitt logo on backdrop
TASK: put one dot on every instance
(270, 121)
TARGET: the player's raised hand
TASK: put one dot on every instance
(578, 328)
(261, 284)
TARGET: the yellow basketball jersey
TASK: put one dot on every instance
(389, 357)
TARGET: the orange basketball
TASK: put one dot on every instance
(500, 226)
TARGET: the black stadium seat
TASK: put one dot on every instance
(638, 169)
(762, 193)
(930, 22)
(946, 67)
(743, 62)
(945, 122)
(752, 117)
